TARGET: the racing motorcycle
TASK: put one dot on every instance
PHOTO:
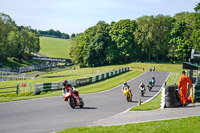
(73, 98)
(150, 86)
(153, 81)
(127, 94)
(142, 90)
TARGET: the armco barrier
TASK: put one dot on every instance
(78, 82)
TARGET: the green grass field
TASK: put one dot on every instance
(55, 47)
(182, 125)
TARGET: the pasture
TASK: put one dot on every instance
(55, 47)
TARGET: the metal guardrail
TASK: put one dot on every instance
(30, 68)
(78, 82)
(8, 88)
(11, 76)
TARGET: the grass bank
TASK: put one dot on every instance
(55, 47)
(182, 125)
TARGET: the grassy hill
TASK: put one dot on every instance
(51, 47)
(55, 47)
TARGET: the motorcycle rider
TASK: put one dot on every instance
(66, 86)
(142, 86)
(126, 85)
(154, 68)
(153, 78)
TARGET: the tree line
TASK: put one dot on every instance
(149, 38)
(55, 34)
(15, 40)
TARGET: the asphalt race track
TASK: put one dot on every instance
(46, 115)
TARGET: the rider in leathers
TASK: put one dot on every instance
(142, 86)
(126, 85)
(66, 86)
(69, 86)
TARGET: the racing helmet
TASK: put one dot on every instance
(125, 83)
(65, 82)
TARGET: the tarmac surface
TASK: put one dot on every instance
(51, 114)
(128, 117)
(45, 115)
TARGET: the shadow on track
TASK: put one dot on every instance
(147, 96)
(88, 108)
(133, 101)
(154, 91)
(157, 86)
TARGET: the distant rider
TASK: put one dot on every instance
(125, 85)
(154, 68)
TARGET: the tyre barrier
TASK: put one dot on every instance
(196, 93)
(170, 101)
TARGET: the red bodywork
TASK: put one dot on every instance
(68, 93)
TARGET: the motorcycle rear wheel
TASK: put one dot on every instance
(150, 88)
(81, 103)
(127, 98)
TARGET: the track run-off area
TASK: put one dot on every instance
(45, 115)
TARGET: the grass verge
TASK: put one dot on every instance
(186, 125)
(153, 104)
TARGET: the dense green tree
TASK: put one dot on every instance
(52, 33)
(160, 29)
(89, 48)
(152, 36)
(73, 35)
(6, 26)
(196, 33)
(143, 37)
(99, 42)
(77, 49)
(13, 44)
(180, 48)
(197, 8)
(65, 36)
(122, 36)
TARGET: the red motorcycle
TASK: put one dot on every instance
(73, 98)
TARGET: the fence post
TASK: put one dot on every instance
(17, 89)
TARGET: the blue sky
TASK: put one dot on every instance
(75, 16)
